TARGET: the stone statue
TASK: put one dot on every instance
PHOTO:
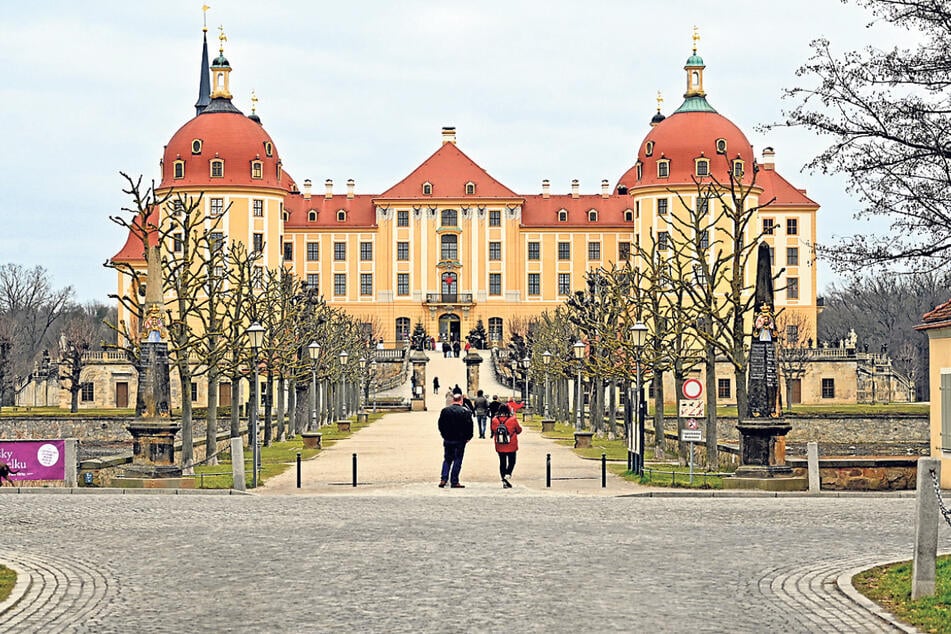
(851, 339)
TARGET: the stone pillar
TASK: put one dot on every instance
(418, 400)
(237, 464)
(927, 519)
(812, 460)
(472, 361)
(763, 449)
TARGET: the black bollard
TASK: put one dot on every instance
(298, 469)
(604, 470)
(354, 469)
(548, 471)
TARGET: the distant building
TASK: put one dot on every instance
(937, 325)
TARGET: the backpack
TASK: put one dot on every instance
(502, 435)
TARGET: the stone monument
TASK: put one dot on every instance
(472, 361)
(417, 401)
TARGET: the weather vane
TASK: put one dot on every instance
(204, 17)
(222, 38)
(660, 100)
(254, 102)
(696, 37)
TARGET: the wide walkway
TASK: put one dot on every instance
(402, 454)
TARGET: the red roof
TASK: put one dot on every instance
(361, 212)
(132, 251)
(448, 170)
(774, 185)
(937, 318)
(538, 211)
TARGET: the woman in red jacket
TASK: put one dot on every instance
(505, 431)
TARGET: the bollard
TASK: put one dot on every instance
(927, 520)
(604, 470)
(354, 469)
(298, 469)
(548, 471)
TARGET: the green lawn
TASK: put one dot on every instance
(8, 579)
(890, 587)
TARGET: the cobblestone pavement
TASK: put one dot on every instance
(173, 563)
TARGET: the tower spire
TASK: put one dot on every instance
(204, 76)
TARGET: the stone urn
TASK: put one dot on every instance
(311, 439)
(548, 426)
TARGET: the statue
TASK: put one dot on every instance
(763, 380)
(764, 326)
(851, 339)
(153, 326)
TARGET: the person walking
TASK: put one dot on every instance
(456, 347)
(455, 427)
(435, 385)
(494, 405)
(505, 431)
(481, 412)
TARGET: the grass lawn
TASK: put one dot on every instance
(890, 587)
(276, 458)
(8, 579)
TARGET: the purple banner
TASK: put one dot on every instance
(34, 459)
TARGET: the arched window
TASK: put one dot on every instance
(450, 283)
(402, 328)
(703, 167)
(341, 216)
(257, 169)
(450, 218)
(563, 215)
(593, 215)
(268, 148)
(738, 168)
(495, 329)
(449, 247)
(663, 168)
(217, 168)
(470, 189)
(649, 149)
(427, 189)
(640, 170)
(312, 216)
(628, 215)
(179, 169)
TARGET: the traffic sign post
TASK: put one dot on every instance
(692, 389)
(691, 434)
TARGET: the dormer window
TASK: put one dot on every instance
(217, 168)
(285, 216)
(562, 215)
(470, 189)
(312, 216)
(628, 215)
(341, 216)
(663, 168)
(721, 146)
(703, 167)
(257, 169)
(280, 171)
(593, 215)
(640, 170)
(179, 169)
(427, 189)
(649, 149)
(196, 146)
(269, 148)
(737, 168)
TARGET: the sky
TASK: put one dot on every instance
(536, 89)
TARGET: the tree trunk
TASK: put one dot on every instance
(292, 427)
(235, 406)
(281, 428)
(612, 410)
(188, 444)
(710, 381)
(268, 399)
(658, 383)
(211, 418)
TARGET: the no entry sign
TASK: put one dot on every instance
(692, 389)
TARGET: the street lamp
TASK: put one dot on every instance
(546, 358)
(373, 378)
(365, 384)
(344, 355)
(639, 335)
(527, 363)
(578, 350)
(256, 337)
(313, 353)
(513, 364)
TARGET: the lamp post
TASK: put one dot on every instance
(256, 337)
(639, 334)
(373, 379)
(344, 355)
(578, 350)
(364, 384)
(313, 353)
(546, 358)
(527, 364)
(513, 365)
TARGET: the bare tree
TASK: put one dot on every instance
(793, 355)
(77, 338)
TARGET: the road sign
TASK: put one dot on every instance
(691, 435)
(692, 389)
(691, 409)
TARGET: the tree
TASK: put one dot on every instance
(887, 113)
(77, 338)
(792, 353)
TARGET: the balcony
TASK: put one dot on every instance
(437, 299)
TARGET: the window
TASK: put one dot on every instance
(721, 146)
(217, 168)
(257, 242)
(449, 248)
(737, 169)
(534, 250)
(594, 250)
(402, 328)
(217, 206)
(470, 189)
(640, 171)
(495, 250)
(216, 241)
(699, 275)
(269, 148)
(366, 251)
(564, 283)
(564, 250)
(196, 146)
(792, 334)
(828, 388)
(194, 391)
(792, 288)
(366, 283)
(88, 392)
(312, 216)
(288, 250)
(495, 218)
(179, 169)
(257, 207)
(340, 251)
(792, 226)
(704, 240)
(313, 280)
(772, 255)
(723, 388)
(341, 216)
(177, 242)
(534, 284)
(450, 218)
(495, 329)
(402, 251)
(703, 204)
(313, 251)
(792, 256)
(592, 216)
(624, 251)
(703, 167)
(768, 226)
(661, 206)
(563, 215)
(663, 169)
(628, 215)
(495, 283)
(402, 218)
(662, 239)
(257, 277)
(649, 149)
(340, 283)
(402, 283)
(427, 189)
(257, 169)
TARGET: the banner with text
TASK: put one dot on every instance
(34, 459)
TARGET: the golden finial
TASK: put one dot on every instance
(222, 38)
(254, 102)
(204, 17)
(696, 38)
(660, 100)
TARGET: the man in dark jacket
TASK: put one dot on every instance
(481, 411)
(455, 427)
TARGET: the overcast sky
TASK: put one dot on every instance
(536, 90)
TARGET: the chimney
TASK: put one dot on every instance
(605, 188)
(329, 184)
(307, 189)
(546, 189)
(769, 158)
(574, 187)
(448, 135)
(350, 185)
